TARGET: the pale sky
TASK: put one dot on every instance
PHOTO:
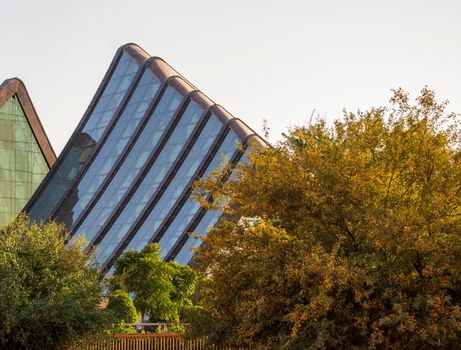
(278, 60)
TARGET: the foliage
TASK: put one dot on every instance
(49, 293)
(160, 289)
(177, 328)
(122, 306)
(123, 328)
(354, 239)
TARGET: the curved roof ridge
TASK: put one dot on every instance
(15, 86)
(243, 128)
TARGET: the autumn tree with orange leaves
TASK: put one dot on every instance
(349, 236)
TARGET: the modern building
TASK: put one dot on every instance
(124, 178)
(26, 154)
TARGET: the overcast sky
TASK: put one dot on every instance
(278, 60)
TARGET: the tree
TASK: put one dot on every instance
(160, 290)
(122, 306)
(349, 237)
(50, 293)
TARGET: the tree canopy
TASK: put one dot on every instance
(349, 236)
(50, 293)
(122, 306)
(161, 290)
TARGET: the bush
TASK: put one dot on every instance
(122, 306)
(50, 293)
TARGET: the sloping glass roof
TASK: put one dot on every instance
(22, 164)
(25, 152)
(125, 177)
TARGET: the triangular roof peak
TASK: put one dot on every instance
(15, 86)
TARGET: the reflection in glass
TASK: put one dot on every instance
(84, 144)
(115, 143)
(146, 142)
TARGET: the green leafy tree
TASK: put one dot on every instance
(50, 293)
(184, 280)
(350, 237)
(160, 290)
(122, 306)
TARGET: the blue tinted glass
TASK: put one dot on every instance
(84, 143)
(180, 182)
(190, 208)
(151, 182)
(133, 163)
(114, 145)
(185, 254)
(210, 218)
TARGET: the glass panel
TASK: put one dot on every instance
(119, 136)
(210, 218)
(185, 254)
(179, 183)
(191, 208)
(22, 164)
(151, 182)
(146, 142)
(85, 142)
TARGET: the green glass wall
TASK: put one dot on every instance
(22, 164)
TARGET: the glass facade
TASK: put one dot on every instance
(191, 208)
(125, 178)
(151, 182)
(111, 150)
(22, 164)
(181, 179)
(85, 142)
(194, 239)
(187, 251)
(132, 165)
